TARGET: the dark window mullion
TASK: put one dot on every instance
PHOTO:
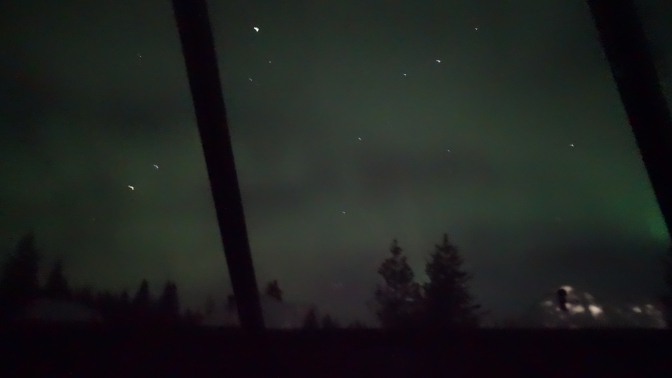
(201, 64)
(627, 49)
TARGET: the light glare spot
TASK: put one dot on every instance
(595, 310)
(256, 29)
(131, 187)
(156, 166)
(438, 60)
(578, 309)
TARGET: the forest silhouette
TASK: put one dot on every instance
(400, 302)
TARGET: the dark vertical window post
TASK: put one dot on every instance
(201, 63)
(627, 49)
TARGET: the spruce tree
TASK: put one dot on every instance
(273, 290)
(142, 303)
(447, 301)
(124, 298)
(107, 304)
(329, 323)
(142, 296)
(19, 282)
(57, 285)
(169, 303)
(357, 325)
(85, 296)
(398, 300)
(310, 321)
(210, 306)
(123, 307)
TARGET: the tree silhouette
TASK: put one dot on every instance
(447, 301)
(191, 317)
(57, 285)
(329, 323)
(169, 304)
(142, 296)
(108, 306)
(356, 325)
(124, 298)
(399, 298)
(85, 296)
(19, 282)
(273, 290)
(210, 306)
(310, 321)
(142, 302)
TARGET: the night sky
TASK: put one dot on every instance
(353, 123)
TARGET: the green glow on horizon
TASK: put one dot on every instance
(656, 225)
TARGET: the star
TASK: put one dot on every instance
(404, 74)
(156, 166)
(249, 78)
(256, 29)
(571, 145)
(438, 60)
(359, 138)
(131, 187)
(343, 212)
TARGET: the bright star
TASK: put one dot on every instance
(156, 166)
(256, 29)
(132, 188)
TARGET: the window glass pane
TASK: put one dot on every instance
(355, 123)
(101, 156)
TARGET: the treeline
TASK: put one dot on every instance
(313, 319)
(400, 301)
(20, 286)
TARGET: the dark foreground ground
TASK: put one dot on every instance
(193, 352)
